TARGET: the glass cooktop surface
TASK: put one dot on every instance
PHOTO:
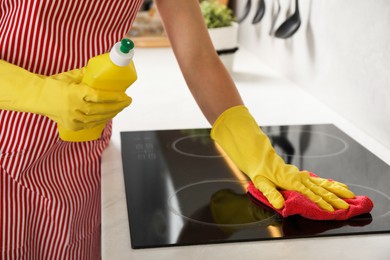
(182, 190)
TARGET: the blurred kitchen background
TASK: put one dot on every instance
(340, 54)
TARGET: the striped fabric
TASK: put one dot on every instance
(50, 190)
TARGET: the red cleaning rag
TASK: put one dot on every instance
(298, 204)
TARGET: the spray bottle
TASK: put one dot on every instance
(116, 68)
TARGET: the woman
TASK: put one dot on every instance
(50, 189)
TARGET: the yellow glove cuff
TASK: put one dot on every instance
(238, 134)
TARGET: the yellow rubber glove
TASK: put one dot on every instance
(62, 97)
(241, 138)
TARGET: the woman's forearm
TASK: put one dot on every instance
(207, 78)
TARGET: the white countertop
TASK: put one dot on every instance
(161, 100)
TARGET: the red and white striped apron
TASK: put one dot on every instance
(50, 203)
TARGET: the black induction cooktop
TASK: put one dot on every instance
(182, 190)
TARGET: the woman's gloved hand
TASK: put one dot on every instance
(241, 138)
(61, 97)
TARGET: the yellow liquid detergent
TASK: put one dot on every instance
(116, 70)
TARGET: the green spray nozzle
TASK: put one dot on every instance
(126, 45)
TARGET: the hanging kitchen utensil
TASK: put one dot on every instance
(259, 12)
(275, 18)
(247, 8)
(290, 26)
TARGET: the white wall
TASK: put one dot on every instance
(341, 55)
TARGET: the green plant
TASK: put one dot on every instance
(216, 14)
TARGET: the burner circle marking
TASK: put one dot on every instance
(340, 151)
(177, 141)
(271, 218)
(375, 191)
